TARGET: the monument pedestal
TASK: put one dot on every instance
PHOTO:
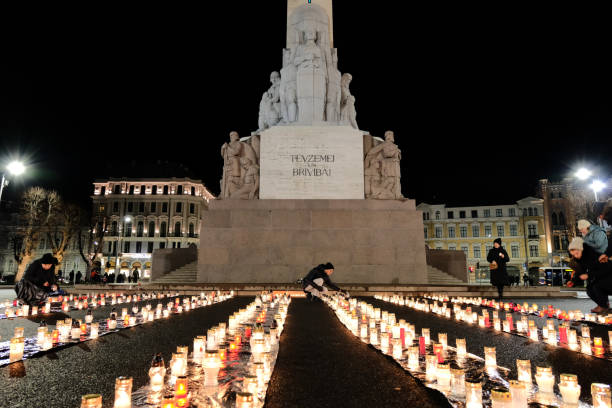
(279, 241)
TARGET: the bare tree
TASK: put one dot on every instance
(90, 242)
(32, 215)
(582, 205)
(63, 223)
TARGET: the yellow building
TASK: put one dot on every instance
(473, 229)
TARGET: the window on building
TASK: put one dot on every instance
(153, 207)
(177, 229)
(141, 207)
(500, 230)
(130, 207)
(533, 230)
(461, 214)
(488, 248)
(126, 247)
(560, 195)
(564, 242)
(128, 229)
(451, 232)
(557, 242)
(499, 212)
(164, 207)
(103, 191)
(131, 189)
(474, 213)
(534, 250)
(477, 251)
(110, 247)
(114, 229)
(178, 244)
(140, 229)
(452, 247)
(437, 215)
(465, 250)
(143, 189)
(513, 230)
(191, 230)
(166, 190)
(163, 229)
(149, 247)
(554, 219)
(154, 190)
(425, 232)
(463, 231)
(530, 212)
(561, 219)
(116, 206)
(117, 189)
(450, 215)
(512, 212)
(162, 245)
(438, 232)
(486, 213)
(487, 231)
(535, 212)
(438, 246)
(179, 190)
(193, 191)
(138, 247)
(515, 251)
(151, 229)
(179, 207)
(192, 208)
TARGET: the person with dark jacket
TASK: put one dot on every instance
(598, 275)
(38, 281)
(318, 281)
(498, 258)
(135, 275)
(79, 276)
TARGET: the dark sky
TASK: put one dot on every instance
(483, 102)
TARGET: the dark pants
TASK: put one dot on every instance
(500, 290)
(600, 290)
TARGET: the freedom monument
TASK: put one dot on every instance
(308, 186)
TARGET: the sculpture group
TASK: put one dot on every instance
(309, 90)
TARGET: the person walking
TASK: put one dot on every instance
(498, 258)
(525, 279)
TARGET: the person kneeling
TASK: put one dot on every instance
(317, 281)
(598, 275)
(38, 282)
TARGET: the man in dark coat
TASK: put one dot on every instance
(597, 274)
(79, 275)
(499, 276)
(135, 275)
(38, 281)
(318, 281)
(71, 277)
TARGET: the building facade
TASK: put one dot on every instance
(473, 229)
(141, 215)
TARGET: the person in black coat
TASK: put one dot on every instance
(38, 281)
(499, 276)
(318, 281)
(79, 275)
(598, 275)
(135, 275)
(71, 276)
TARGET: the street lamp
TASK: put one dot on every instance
(583, 173)
(597, 186)
(15, 168)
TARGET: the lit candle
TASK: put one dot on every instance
(211, 365)
(123, 392)
(413, 357)
(41, 334)
(157, 372)
(586, 331)
(431, 362)
(48, 343)
(439, 352)
(569, 388)
(598, 346)
(16, 349)
(374, 336)
(601, 395)
(91, 401)
(397, 349)
(443, 375)
(461, 348)
(518, 391)
(89, 317)
(19, 331)
(545, 379)
(443, 340)
(181, 390)
(572, 339)
(473, 394)
(244, 400)
(523, 368)
(249, 384)
(199, 347)
(490, 357)
(94, 329)
(501, 398)
(458, 382)
(168, 401)
(178, 364)
(426, 335)
(585, 345)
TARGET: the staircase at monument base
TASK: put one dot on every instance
(437, 277)
(185, 274)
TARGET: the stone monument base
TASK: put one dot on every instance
(279, 241)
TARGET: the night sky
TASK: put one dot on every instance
(483, 102)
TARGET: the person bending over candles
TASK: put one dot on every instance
(598, 275)
(317, 281)
(39, 281)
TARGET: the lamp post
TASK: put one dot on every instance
(15, 168)
(597, 186)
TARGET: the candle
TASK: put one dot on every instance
(91, 401)
(18, 332)
(431, 362)
(89, 317)
(523, 368)
(178, 364)
(16, 349)
(586, 331)
(569, 388)
(422, 348)
(458, 382)
(461, 348)
(443, 340)
(518, 391)
(244, 400)
(199, 347)
(501, 398)
(598, 346)
(426, 335)
(168, 401)
(490, 357)
(123, 392)
(211, 365)
(545, 379)
(48, 343)
(473, 394)
(533, 333)
(75, 332)
(572, 339)
(41, 334)
(249, 384)
(374, 336)
(94, 329)
(181, 389)
(157, 372)
(413, 357)
(25, 310)
(585, 345)
(443, 375)
(601, 395)
(439, 352)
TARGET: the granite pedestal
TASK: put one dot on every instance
(279, 241)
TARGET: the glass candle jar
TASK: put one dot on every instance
(41, 334)
(601, 395)
(426, 335)
(211, 365)
(585, 345)
(157, 373)
(473, 394)
(458, 382)
(18, 332)
(501, 398)
(244, 400)
(94, 330)
(199, 347)
(123, 392)
(461, 348)
(545, 379)
(569, 388)
(168, 401)
(249, 384)
(181, 390)
(178, 364)
(518, 391)
(397, 349)
(374, 336)
(16, 349)
(490, 357)
(443, 375)
(431, 362)
(413, 357)
(91, 401)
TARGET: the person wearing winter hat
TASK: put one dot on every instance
(317, 281)
(598, 275)
(498, 258)
(38, 281)
(594, 236)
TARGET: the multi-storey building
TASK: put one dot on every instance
(473, 229)
(141, 215)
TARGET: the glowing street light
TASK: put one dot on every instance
(15, 168)
(583, 173)
(597, 186)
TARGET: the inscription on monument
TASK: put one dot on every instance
(314, 162)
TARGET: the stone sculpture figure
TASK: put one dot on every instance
(233, 172)
(334, 93)
(382, 170)
(348, 114)
(288, 91)
(250, 181)
(311, 78)
(269, 107)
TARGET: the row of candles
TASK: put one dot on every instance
(79, 302)
(397, 338)
(244, 331)
(70, 330)
(563, 336)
